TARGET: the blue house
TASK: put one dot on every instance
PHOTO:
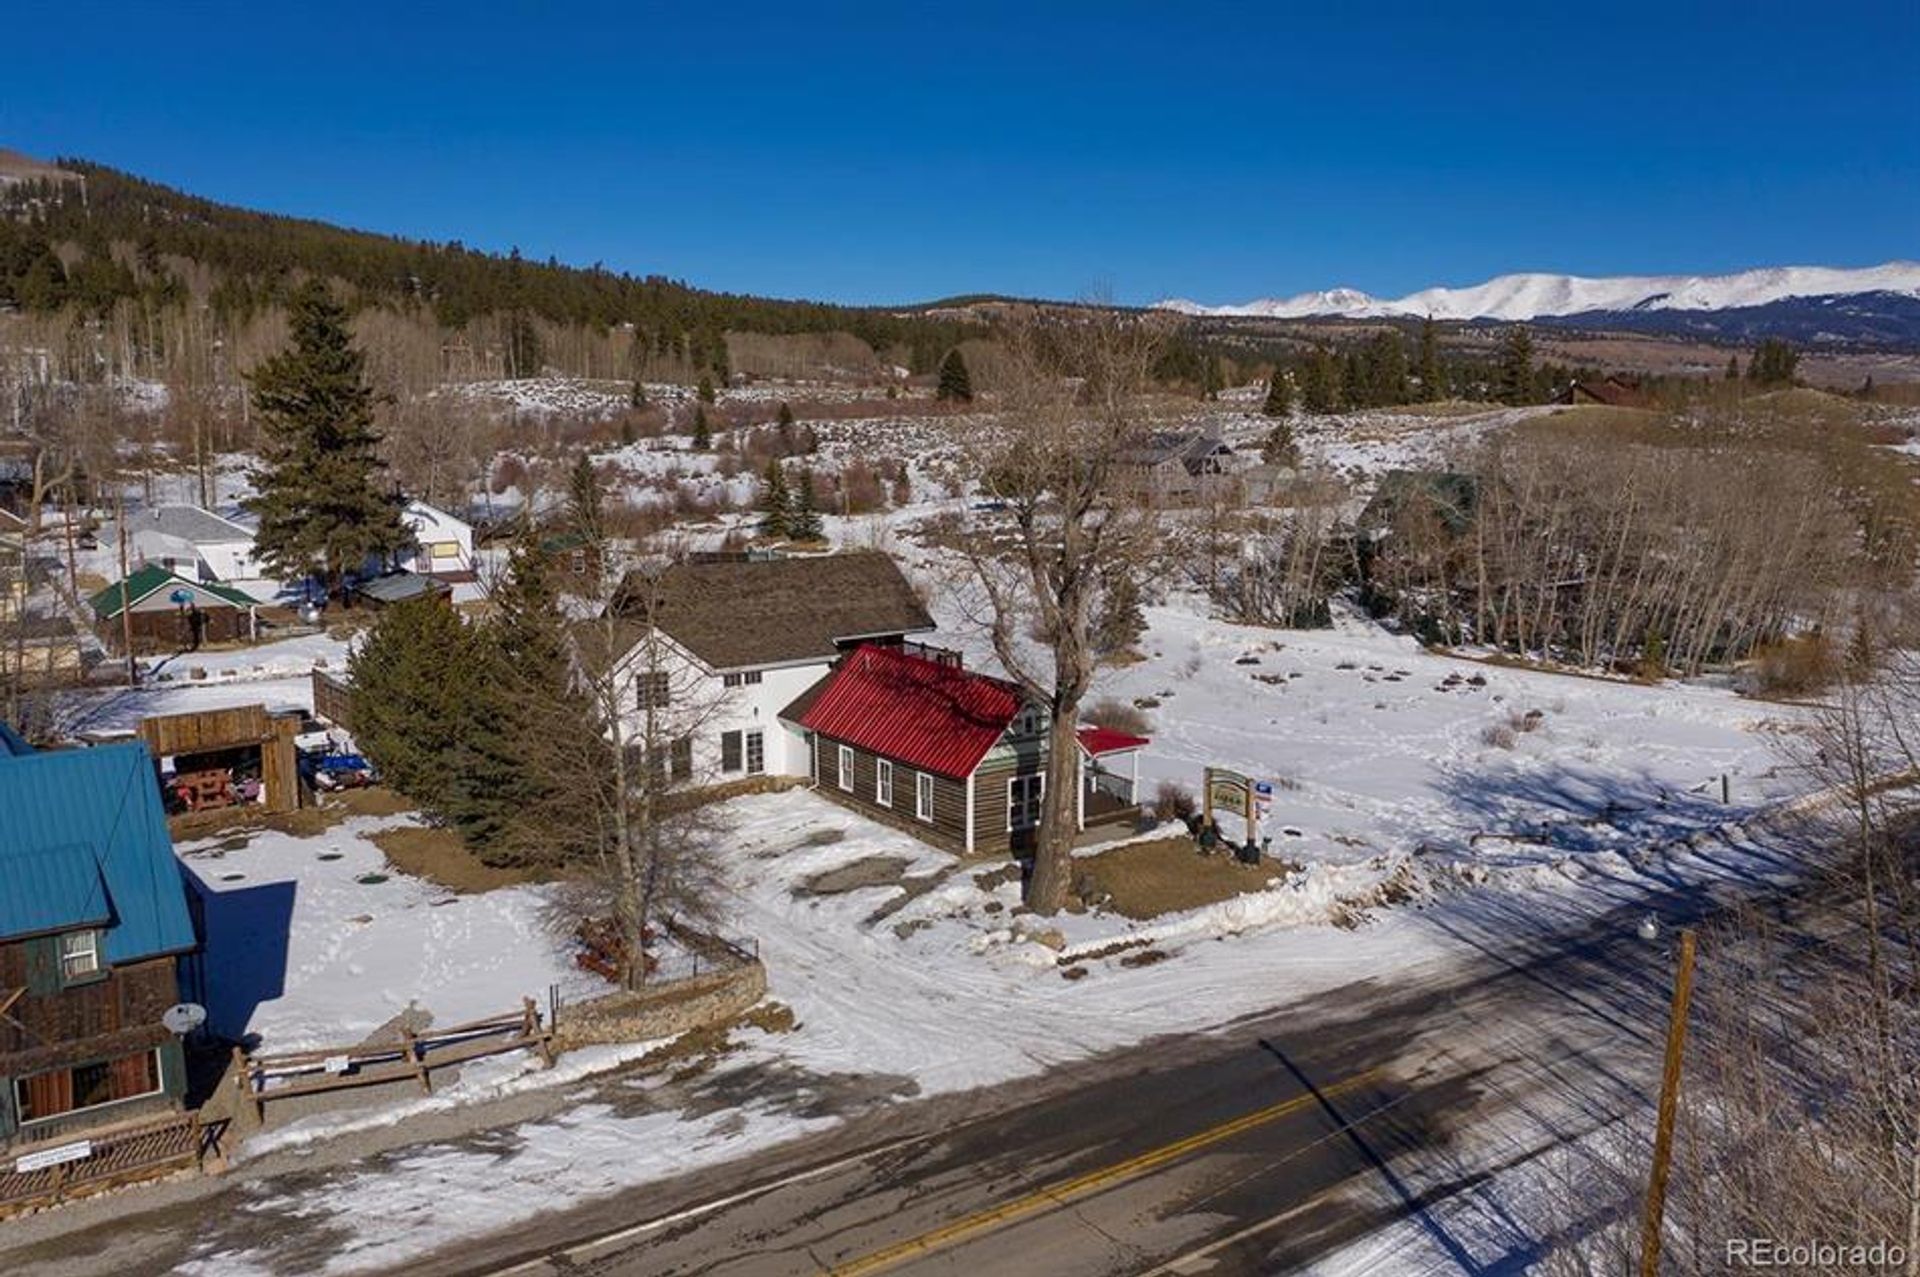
(94, 921)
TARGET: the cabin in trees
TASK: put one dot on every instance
(710, 652)
(1614, 392)
(166, 612)
(94, 921)
(1180, 468)
(906, 733)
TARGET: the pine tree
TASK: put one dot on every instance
(706, 391)
(413, 679)
(587, 518)
(1515, 381)
(702, 431)
(776, 503)
(637, 395)
(804, 523)
(956, 383)
(314, 493)
(1279, 449)
(1119, 622)
(1733, 367)
(1279, 394)
(1433, 387)
(1353, 381)
(1774, 363)
(1317, 384)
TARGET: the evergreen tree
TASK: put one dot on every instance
(1733, 367)
(587, 518)
(1774, 363)
(1433, 382)
(314, 492)
(702, 431)
(1279, 449)
(956, 383)
(1211, 383)
(804, 523)
(1866, 387)
(413, 681)
(785, 419)
(1317, 396)
(776, 503)
(1279, 394)
(1353, 381)
(1514, 383)
(706, 391)
(1386, 370)
(637, 395)
(1119, 623)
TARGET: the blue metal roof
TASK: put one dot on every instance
(61, 810)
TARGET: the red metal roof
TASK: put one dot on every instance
(1097, 741)
(937, 718)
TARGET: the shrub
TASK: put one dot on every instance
(1119, 716)
(1498, 735)
(1173, 801)
(1795, 666)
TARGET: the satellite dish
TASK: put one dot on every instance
(310, 613)
(1649, 928)
(184, 1018)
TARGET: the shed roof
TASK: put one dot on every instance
(1098, 742)
(69, 810)
(144, 583)
(749, 612)
(929, 715)
(398, 587)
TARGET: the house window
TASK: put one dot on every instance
(681, 756)
(923, 796)
(730, 751)
(883, 783)
(578, 561)
(1023, 801)
(653, 690)
(79, 955)
(1028, 723)
(756, 753)
(747, 678)
(57, 1091)
(846, 768)
(445, 550)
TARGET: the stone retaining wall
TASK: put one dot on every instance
(662, 1011)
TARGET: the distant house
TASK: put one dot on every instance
(442, 543)
(93, 923)
(1614, 392)
(907, 733)
(196, 543)
(170, 613)
(1180, 467)
(747, 636)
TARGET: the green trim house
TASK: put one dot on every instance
(166, 612)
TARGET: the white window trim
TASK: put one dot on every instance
(1013, 786)
(752, 740)
(91, 952)
(883, 782)
(20, 1094)
(845, 760)
(724, 769)
(923, 796)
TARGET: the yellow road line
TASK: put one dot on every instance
(1083, 1185)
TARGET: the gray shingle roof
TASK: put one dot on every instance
(745, 613)
(189, 523)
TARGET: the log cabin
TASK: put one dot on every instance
(94, 920)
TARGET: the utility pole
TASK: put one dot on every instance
(126, 590)
(1651, 1226)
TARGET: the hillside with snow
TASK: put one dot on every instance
(1535, 296)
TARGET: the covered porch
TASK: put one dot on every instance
(1109, 794)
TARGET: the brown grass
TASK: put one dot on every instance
(439, 856)
(1166, 875)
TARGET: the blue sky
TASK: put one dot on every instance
(902, 152)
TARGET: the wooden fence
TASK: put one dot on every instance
(111, 1159)
(332, 700)
(411, 1058)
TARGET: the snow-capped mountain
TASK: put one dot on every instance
(1536, 296)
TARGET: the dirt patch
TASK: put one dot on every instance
(1164, 875)
(869, 871)
(439, 856)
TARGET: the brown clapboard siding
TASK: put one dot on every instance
(990, 807)
(949, 795)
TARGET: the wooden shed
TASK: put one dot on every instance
(215, 754)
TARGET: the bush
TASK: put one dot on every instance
(1172, 801)
(1119, 716)
(1498, 735)
(1795, 666)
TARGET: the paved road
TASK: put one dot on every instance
(1262, 1149)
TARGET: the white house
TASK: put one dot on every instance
(442, 542)
(196, 543)
(720, 648)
